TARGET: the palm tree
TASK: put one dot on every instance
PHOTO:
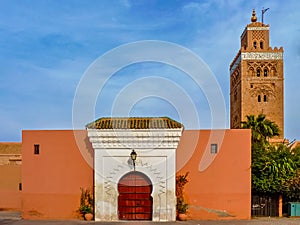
(266, 175)
(261, 128)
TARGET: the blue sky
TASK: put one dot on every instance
(46, 47)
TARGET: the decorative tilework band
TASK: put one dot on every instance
(262, 55)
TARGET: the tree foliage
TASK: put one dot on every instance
(275, 168)
(272, 168)
(261, 128)
(181, 181)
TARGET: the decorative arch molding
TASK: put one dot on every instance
(120, 170)
(263, 89)
(271, 67)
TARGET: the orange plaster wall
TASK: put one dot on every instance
(220, 186)
(52, 179)
(10, 195)
(10, 175)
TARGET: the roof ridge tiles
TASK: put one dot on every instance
(134, 123)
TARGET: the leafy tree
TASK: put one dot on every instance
(261, 128)
(275, 168)
(292, 187)
(272, 168)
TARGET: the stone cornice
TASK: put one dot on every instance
(137, 139)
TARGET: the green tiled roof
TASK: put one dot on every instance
(134, 123)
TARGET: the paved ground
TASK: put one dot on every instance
(14, 218)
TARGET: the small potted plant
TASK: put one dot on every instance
(86, 204)
(182, 209)
(181, 206)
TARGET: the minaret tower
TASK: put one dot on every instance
(256, 77)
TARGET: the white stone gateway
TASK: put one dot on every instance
(144, 190)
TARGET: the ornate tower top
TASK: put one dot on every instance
(256, 76)
(253, 18)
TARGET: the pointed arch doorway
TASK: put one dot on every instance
(135, 200)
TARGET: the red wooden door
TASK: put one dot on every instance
(135, 200)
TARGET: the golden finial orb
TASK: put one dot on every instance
(253, 18)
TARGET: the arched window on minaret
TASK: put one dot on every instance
(258, 72)
(265, 98)
(273, 71)
(251, 72)
(254, 44)
(265, 72)
(261, 45)
(258, 98)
